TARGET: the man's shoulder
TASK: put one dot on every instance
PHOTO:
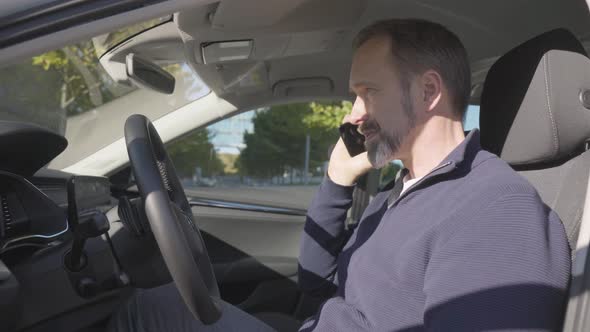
(492, 177)
(493, 195)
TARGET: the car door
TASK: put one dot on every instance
(250, 179)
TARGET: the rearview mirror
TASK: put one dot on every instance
(147, 74)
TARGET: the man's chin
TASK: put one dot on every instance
(379, 159)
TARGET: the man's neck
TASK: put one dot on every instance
(431, 144)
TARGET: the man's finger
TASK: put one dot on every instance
(346, 119)
(362, 160)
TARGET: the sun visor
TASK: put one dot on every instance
(243, 78)
(226, 51)
(302, 87)
(26, 148)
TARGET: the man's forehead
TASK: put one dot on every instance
(369, 60)
(380, 44)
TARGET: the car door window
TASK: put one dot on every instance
(275, 156)
(471, 118)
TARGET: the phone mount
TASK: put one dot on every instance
(86, 225)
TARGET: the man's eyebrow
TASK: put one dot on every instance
(362, 83)
(368, 84)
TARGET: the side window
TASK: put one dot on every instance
(471, 119)
(275, 155)
(389, 173)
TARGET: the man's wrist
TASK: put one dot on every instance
(341, 181)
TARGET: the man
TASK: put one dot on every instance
(459, 242)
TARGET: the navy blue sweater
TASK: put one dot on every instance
(470, 247)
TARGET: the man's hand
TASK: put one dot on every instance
(344, 169)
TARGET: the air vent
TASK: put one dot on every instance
(13, 215)
(6, 214)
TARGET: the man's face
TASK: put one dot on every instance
(383, 107)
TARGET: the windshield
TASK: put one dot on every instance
(68, 91)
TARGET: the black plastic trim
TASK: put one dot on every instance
(60, 15)
(246, 207)
(36, 146)
(130, 38)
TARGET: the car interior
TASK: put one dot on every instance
(97, 201)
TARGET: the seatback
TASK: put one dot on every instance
(535, 114)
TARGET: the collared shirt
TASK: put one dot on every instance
(469, 247)
(409, 182)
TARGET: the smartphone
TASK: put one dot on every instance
(353, 140)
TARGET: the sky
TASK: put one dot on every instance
(471, 118)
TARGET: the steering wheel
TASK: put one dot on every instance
(171, 220)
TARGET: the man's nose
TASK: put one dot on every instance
(358, 114)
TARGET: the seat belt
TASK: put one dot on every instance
(366, 188)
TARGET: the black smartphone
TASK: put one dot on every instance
(353, 140)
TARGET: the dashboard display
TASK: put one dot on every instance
(88, 192)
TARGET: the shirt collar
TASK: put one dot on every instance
(463, 154)
(465, 151)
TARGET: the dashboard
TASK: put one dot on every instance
(89, 192)
(29, 217)
(70, 246)
(39, 211)
(48, 217)
(36, 234)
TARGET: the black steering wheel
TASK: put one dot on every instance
(171, 220)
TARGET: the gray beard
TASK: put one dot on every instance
(382, 151)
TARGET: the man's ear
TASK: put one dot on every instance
(431, 86)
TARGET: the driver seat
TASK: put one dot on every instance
(535, 114)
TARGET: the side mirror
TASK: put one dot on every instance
(147, 74)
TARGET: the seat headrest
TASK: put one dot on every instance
(535, 103)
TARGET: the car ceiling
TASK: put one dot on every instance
(297, 41)
(302, 48)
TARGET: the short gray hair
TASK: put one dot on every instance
(419, 45)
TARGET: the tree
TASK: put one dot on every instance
(388, 173)
(327, 116)
(323, 122)
(84, 83)
(195, 150)
(277, 144)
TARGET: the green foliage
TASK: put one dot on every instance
(277, 144)
(54, 59)
(84, 85)
(195, 150)
(326, 116)
(388, 173)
